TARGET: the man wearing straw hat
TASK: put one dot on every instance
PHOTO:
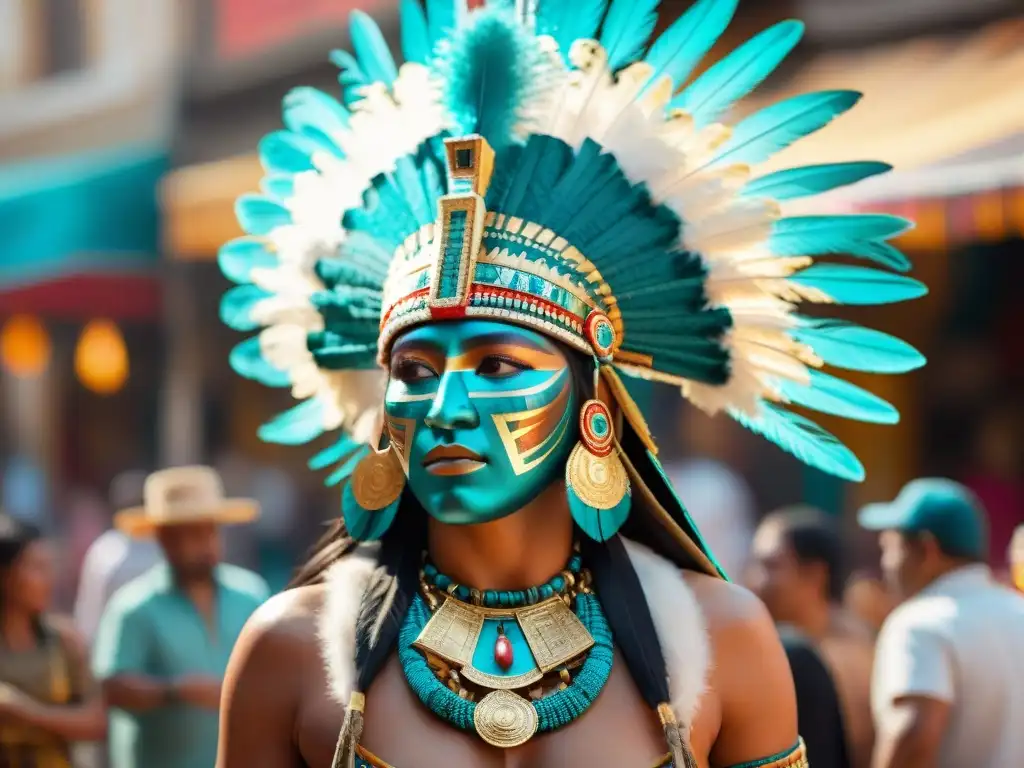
(164, 640)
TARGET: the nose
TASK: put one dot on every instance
(452, 408)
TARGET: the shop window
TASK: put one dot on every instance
(64, 43)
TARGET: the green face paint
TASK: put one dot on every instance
(483, 415)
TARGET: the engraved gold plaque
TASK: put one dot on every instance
(554, 633)
(451, 633)
(505, 720)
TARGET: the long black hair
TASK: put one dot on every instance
(15, 537)
(396, 579)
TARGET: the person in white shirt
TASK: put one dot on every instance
(113, 559)
(948, 680)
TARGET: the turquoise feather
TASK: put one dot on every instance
(345, 470)
(807, 180)
(488, 72)
(774, 128)
(296, 426)
(855, 348)
(416, 45)
(247, 360)
(365, 524)
(236, 306)
(260, 215)
(804, 439)
(371, 49)
(352, 78)
(442, 16)
(598, 524)
(682, 46)
(317, 116)
(568, 21)
(333, 453)
(732, 78)
(859, 235)
(859, 285)
(829, 394)
(284, 152)
(238, 258)
(626, 30)
(280, 187)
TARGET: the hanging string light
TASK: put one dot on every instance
(24, 346)
(101, 357)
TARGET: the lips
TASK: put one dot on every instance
(452, 460)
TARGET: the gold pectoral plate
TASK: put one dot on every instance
(553, 632)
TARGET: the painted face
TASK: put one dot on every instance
(483, 415)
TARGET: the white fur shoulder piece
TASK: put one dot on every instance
(679, 622)
(346, 583)
(677, 618)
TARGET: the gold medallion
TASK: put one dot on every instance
(600, 481)
(378, 480)
(505, 720)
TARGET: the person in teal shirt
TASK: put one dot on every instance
(164, 640)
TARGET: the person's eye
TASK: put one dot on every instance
(500, 367)
(409, 370)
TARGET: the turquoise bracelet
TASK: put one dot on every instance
(553, 711)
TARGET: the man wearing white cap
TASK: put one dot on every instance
(164, 640)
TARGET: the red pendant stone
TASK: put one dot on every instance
(503, 652)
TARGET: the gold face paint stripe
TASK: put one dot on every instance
(529, 391)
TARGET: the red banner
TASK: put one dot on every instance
(247, 27)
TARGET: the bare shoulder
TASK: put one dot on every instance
(727, 606)
(286, 623)
(750, 676)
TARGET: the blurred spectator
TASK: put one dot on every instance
(1016, 558)
(114, 558)
(867, 598)
(797, 570)
(819, 716)
(721, 505)
(47, 696)
(164, 641)
(995, 477)
(948, 683)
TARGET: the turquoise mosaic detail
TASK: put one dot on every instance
(451, 259)
(605, 335)
(599, 425)
(483, 655)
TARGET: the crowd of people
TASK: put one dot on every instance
(926, 671)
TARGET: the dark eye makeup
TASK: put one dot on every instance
(411, 369)
(501, 366)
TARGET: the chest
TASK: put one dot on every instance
(41, 672)
(185, 641)
(618, 731)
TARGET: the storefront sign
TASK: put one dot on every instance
(247, 27)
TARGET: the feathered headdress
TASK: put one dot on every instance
(538, 164)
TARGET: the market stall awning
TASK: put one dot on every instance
(91, 218)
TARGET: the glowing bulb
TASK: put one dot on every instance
(101, 357)
(24, 346)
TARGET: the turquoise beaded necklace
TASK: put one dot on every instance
(493, 598)
(553, 711)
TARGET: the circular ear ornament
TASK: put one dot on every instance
(596, 428)
(600, 332)
(378, 480)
